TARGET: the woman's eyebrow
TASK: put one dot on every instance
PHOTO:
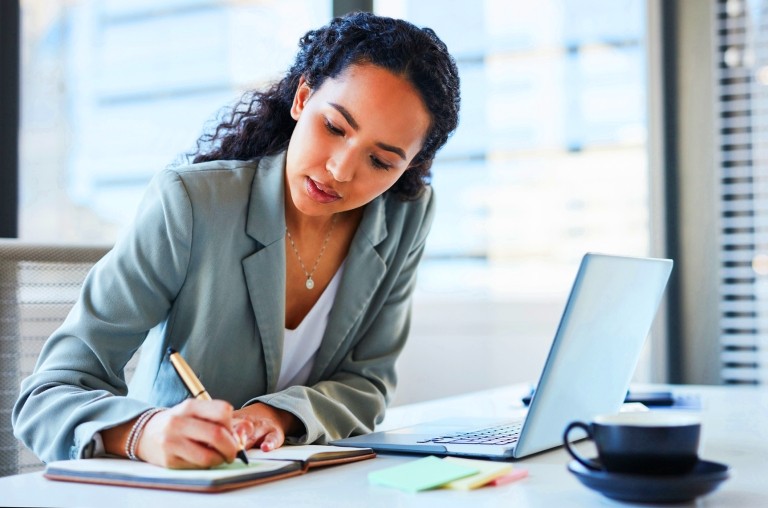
(346, 114)
(353, 123)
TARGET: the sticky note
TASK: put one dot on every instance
(487, 471)
(517, 474)
(422, 474)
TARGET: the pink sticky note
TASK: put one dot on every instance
(515, 475)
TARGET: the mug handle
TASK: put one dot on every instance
(588, 463)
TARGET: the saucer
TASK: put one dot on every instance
(704, 478)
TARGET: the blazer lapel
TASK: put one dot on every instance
(265, 269)
(363, 272)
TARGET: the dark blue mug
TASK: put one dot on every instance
(642, 442)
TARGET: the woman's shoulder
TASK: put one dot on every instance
(410, 208)
(404, 218)
(212, 169)
(223, 172)
(213, 176)
(225, 183)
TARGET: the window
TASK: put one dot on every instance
(113, 91)
(549, 160)
(742, 78)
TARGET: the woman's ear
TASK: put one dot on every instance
(303, 91)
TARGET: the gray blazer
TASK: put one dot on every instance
(203, 270)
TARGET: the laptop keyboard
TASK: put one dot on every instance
(499, 435)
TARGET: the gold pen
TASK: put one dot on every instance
(196, 388)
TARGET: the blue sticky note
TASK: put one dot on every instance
(422, 474)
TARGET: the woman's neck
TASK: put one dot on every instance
(299, 223)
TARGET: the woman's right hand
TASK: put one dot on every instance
(195, 434)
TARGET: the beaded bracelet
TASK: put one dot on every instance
(136, 430)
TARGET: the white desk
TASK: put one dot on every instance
(735, 432)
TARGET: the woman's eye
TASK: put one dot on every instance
(379, 164)
(333, 129)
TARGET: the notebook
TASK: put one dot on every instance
(263, 467)
(593, 356)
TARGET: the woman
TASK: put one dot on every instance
(280, 265)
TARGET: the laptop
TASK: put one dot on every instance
(591, 362)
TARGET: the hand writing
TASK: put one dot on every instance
(193, 434)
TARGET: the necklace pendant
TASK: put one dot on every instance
(310, 283)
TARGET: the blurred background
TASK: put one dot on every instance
(618, 126)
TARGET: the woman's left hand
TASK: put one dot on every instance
(270, 425)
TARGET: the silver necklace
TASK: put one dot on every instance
(310, 282)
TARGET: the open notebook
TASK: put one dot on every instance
(264, 467)
(593, 356)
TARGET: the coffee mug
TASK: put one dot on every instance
(643, 442)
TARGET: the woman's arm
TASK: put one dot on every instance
(78, 387)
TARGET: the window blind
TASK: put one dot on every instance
(742, 88)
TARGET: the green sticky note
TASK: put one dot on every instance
(422, 474)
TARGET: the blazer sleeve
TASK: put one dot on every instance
(354, 398)
(78, 387)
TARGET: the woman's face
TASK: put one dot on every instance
(355, 136)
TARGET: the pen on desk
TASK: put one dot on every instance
(196, 388)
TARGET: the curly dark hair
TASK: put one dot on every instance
(260, 123)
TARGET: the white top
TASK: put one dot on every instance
(301, 344)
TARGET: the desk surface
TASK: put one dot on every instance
(734, 432)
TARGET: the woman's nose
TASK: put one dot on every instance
(340, 166)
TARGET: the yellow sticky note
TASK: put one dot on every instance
(487, 471)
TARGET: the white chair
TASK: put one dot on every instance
(39, 284)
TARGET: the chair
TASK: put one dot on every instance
(39, 284)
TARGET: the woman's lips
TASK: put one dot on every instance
(321, 193)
